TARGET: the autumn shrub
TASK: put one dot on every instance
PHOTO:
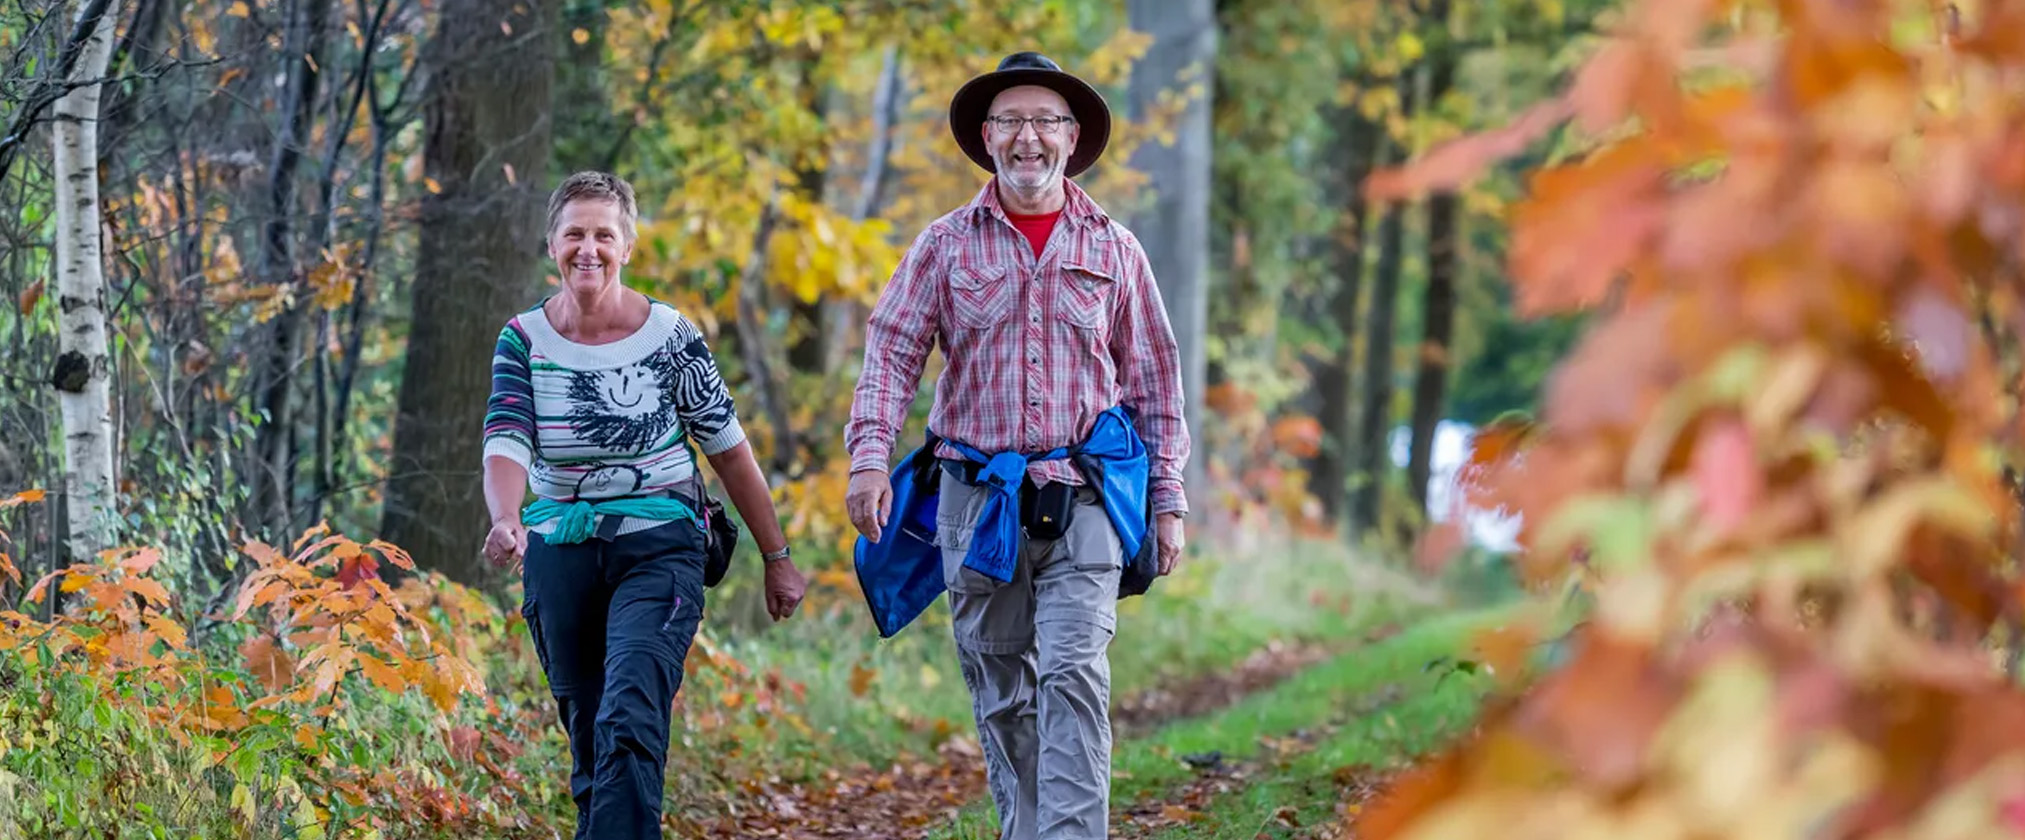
(1782, 465)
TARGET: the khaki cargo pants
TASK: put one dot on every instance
(1033, 654)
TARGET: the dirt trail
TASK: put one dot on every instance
(908, 800)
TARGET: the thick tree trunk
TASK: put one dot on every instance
(1430, 381)
(1335, 380)
(486, 144)
(83, 371)
(1374, 428)
(1175, 229)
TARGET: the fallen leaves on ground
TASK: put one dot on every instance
(911, 798)
(904, 801)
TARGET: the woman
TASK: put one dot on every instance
(600, 396)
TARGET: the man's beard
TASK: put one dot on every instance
(1029, 180)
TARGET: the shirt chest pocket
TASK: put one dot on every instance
(1087, 296)
(979, 297)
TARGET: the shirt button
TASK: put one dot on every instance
(1035, 318)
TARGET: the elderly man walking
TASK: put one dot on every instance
(1056, 442)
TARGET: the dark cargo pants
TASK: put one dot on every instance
(1034, 654)
(612, 622)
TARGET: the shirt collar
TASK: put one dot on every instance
(1080, 207)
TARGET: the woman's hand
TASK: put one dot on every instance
(746, 485)
(784, 588)
(505, 484)
(507, 542)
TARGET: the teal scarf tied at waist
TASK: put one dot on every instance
(579, 519)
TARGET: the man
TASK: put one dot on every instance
(1053, 332)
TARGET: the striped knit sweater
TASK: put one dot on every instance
(607, 420)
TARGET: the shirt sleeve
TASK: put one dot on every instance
(702, 401)
(509, 412)
(899, 334)
(1148, 361)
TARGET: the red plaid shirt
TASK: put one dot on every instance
(1035, 347)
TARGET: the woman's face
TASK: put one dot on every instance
(590, 241)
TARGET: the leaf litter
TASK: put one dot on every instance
(909, 799)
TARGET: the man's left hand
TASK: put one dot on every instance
(1170, 539)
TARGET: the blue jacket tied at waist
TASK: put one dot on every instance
(901, 574)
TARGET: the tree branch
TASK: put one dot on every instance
(49, 92)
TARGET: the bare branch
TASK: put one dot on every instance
(49, 91)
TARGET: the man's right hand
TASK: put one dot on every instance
(869, 500)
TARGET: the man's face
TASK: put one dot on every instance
(1030, 159)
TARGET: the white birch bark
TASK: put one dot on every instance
(83, 371)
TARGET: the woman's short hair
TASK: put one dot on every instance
(595, 186)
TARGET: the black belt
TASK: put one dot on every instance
(966, 471)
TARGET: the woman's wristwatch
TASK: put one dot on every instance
(775, 556)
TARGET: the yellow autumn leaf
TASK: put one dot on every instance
(1409, 46)
(382, 674)
(242, 801)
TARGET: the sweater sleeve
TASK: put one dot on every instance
(702, 401)
(509, 413)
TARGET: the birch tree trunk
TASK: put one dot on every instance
(83, 365)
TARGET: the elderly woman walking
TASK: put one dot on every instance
(600, 398)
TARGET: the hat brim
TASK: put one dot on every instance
(968, 107)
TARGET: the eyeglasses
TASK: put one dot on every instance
(1045, 124)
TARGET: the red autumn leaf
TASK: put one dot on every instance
(1603, 708)
(462, 741)
(1582, 228)
(1726, 474)
(393, 553)
(268, 662)
(356, 568)
(30, 296)
(1458, 162)
(1299, 436)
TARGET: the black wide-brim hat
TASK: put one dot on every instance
(968, 108)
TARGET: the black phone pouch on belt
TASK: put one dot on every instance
(1045, 511)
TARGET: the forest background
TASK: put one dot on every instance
(257, 252)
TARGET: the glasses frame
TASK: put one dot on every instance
(1045, 124)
